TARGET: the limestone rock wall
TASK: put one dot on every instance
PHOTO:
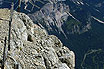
(31, 46)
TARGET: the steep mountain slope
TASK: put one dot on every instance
(77, 23)
(81, 28)
(51, 17)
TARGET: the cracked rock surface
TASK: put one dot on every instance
(31, 46)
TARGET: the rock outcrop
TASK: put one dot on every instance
(31, 46)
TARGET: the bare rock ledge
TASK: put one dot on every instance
(31, 46)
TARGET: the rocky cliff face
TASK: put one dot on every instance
(57, 18)
(51, 16)
(31, 46)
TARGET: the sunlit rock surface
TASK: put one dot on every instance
(31, 46)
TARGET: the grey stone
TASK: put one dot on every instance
(31, 46)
